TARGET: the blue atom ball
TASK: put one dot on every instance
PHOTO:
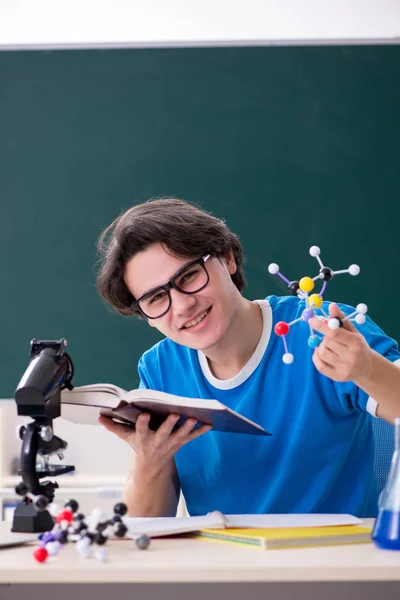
(314, 341)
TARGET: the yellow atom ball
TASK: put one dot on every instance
(306, 284)
(315, 300)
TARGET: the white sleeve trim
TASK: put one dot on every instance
(372, 404)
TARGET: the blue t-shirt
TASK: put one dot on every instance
(319, 458)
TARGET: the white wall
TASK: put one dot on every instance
(101, 462)
(33, 23)
(96, 454)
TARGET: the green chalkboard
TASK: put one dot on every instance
(294, 146)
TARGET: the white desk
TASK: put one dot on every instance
(171, 567)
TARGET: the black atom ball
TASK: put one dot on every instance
(120, 509)
(41, 502)
(100, 539)
(101, 526)
(120, 530)
(90, 536)
(81, 527)
(79, 517)
(63, 539)
(326, 273)
(73, 505)
(294, 287)
(21, 489)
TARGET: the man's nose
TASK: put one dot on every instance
(182, 303)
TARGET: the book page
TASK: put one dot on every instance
(92, 396)
(162, 526)
(81, 414)
(136, 396)
(290, 520)
(109, 388)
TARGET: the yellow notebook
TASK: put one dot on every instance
(291, 537)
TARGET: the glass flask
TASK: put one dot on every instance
(386, 532)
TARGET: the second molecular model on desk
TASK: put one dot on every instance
(314, 302)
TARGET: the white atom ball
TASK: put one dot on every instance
(354, 269)
(101, 554)
(362, 308)
(54, 509)
(314, 251)
(98, 516)
(333, 323)
(85, 551)
(83, 546)
(288, 358)
(273, 268)
(360, 319)
(53, 548)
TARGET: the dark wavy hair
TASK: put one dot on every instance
(184, 229)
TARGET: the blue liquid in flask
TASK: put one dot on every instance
(386, 532)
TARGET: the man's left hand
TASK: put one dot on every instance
(343, 354)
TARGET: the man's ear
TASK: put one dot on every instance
(151, 322)
(231, 262)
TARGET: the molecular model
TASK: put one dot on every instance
(93, 532)
(314, 301)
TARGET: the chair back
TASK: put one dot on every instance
(383, 433)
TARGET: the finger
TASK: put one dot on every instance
(336, 346)
(195, 433)
(334, 311)
(320, 325)
(122, 431)
(142, 426)
(187, 432)
(185, 429)
(342, 335)
(326, 355)
(322, 366)
(167, 426)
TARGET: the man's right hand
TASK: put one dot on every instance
(155, 447)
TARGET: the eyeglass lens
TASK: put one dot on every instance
(189, 281)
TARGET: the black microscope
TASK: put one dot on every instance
(38, 396)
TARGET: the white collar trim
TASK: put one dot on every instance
(254, 361)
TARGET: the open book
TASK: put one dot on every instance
(215, 521)
(84, 404)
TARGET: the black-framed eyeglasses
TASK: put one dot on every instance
(192, 278)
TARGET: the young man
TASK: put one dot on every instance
(180, 268)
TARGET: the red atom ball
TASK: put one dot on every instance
(65, 515)
(281, 328)
(40, 554)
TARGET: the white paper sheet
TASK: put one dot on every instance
(16, 539)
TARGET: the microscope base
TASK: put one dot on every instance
(27, 519)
